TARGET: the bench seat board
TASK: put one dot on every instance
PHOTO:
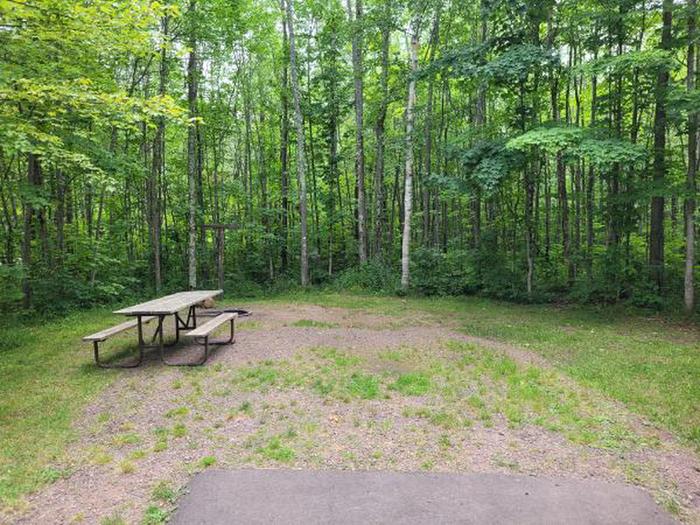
(208, 327)
(108, 332)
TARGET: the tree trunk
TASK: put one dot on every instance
(428, 157)
(656, 234)
(34, 180)
(157, 171)
(192, 157)
(408, 192)
(358, 74)
(300, 158)
(284, 145)
(379, 199)
(689, 287)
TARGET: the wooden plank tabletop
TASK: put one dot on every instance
(170, 304)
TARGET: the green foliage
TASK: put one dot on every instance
(519, 62)
(374, 276)
(438, 273)
(549, 139)
(647, 60)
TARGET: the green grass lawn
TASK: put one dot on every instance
(47, 374)
(46, 377)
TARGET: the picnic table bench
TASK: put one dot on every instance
(158, 310)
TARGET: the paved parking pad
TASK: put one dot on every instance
(218, 497)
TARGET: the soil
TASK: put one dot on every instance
(115, 462)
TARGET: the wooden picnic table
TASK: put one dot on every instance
(161, 308)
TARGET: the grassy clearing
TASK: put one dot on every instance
(46, 377)
(648, 363)
(462, 384)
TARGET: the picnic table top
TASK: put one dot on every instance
(170, 304)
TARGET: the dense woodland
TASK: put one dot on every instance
(528, 150)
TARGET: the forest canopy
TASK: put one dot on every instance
(526, 150)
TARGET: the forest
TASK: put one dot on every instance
(539, 150)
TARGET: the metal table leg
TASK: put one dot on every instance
(206, 343)
(101, 364)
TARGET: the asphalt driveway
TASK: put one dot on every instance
(290, 496)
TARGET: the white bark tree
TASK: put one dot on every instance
(408, 192)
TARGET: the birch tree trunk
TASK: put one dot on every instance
(408, 192)
(300, 157)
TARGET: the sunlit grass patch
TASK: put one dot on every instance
(525, 394)
(154, 515)
(163, 492)
(122, 440)
(268, 374)
(337, 357)
(207, 461)
(443, 417)
(413, 384)
(276, 450)
(392, 355)
(364, 386)
(310, 323)
(180, 411)
(179, 430)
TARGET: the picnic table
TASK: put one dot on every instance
(157, 310)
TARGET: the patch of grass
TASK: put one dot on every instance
(413, 384)
(364, 386)
(245, 408)
(392, 355)
(643, 360)
(179, 430)
(43, 389)
(122, 440)
(439, 418)
(310, 323)
(339, 358)
(114, 519)
(99, 456)
(207, 461)
(275, 450)
(161, 443)
(261, 377)
(528, 394)
(163, 492)
(51, 474)
(427, 465)
(155, 516)
(137, 455)
(127, 467)
(177, 412)
(249, 324)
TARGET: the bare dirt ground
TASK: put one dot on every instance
(310, 387)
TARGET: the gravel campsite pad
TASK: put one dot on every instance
(319, 388)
